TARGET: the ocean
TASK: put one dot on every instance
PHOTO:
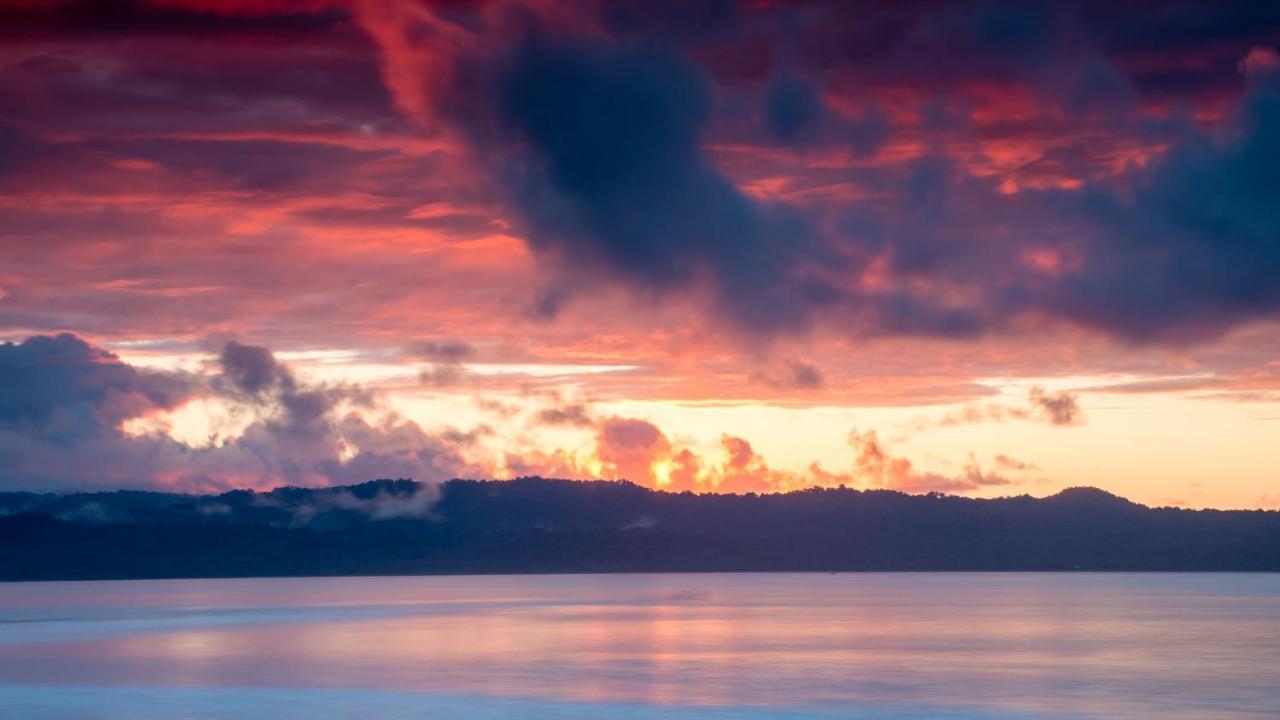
(660, 647)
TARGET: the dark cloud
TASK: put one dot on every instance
(573, 414)
(19, 151)
(1057, 408)
(1179, 250)
(10, 146)
(440, 350)
(806, 376)
(252, 369)
(793, 374)
(1060, 408)
(1182, 249)
(609, 146)
(65, 403)
(600, 144)
(1189, 248)
(446, 368)
(1187, 26)
(61, 387)
(295, 409)
(869, 132)
(444, 374)
(793, 109)
(676, 21)
(615, 182)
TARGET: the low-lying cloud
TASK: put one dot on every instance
(69, 412)
(638, 450)
(76, 419)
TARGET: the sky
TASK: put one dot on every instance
(979, 248)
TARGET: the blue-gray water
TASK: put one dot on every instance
(659, 647)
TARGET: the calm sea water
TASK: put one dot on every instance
(663, 647)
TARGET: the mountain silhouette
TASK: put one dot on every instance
(531, 525)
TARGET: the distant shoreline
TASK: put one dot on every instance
(534, 526)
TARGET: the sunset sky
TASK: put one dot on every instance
(982, 248)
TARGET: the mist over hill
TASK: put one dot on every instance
(533, 525)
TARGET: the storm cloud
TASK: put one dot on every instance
(944, 170)
(614, 178)
(1191, 246)
(603, 145)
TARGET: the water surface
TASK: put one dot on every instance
(666, 647)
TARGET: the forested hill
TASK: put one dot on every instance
(536, 525)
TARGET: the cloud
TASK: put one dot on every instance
(69, 419)
(316, 433)
(869, 131)
(685, 472)
(1185, 250)
(61, 387)
(626, 148)
(15, 148)
(450, 351)
(1260, 61)
(1009, 464)
(637, 450)
(1060, 408)
(599, 145)
(572, 414)
(252, 369)
(628, 448)
(69, 414)
(603, 154)
(446, 368)
(380, 500)
(444, 374)
(793, 109)
(969, 171)
(1160, 385)
(876, 466)
(793, 374)
(744, 470)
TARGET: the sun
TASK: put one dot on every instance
(661, 472)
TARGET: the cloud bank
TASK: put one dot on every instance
(75, 416)
(70, 413)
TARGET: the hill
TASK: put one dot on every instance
(533, 525)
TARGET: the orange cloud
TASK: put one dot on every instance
(880, 469)
(631, 449)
